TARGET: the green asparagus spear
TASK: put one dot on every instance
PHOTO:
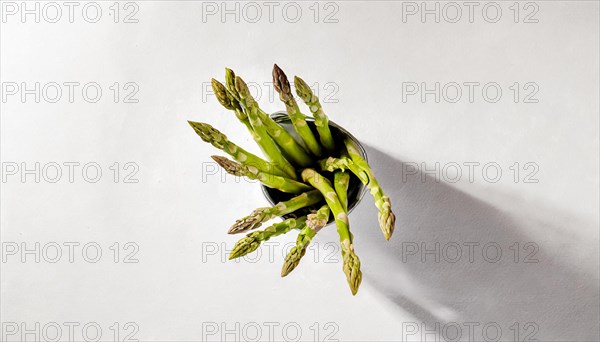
(219, 140)
(351, 262)
(251, 241)
(229, 102)
(386, 217)
(341, 180)
(282, 85)
(260, 133)
(260, 215)
(269, 180)
(314, 223)
(321, 120)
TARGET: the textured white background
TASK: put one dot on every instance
(181, 286)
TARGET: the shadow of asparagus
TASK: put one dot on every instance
(549, 299)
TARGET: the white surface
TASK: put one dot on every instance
(179, 290)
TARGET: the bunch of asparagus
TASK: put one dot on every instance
(294, 166)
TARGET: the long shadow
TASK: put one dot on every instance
(534, 294)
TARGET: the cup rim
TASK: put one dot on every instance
(281, 115)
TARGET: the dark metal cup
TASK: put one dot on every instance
(356, 189)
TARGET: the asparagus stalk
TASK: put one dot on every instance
(269, 180)
(351, 262)
(314, 223)
(321, 120)
(252, 241)
(282, 85)
(259, 131)
(386, 217)
(341, 180)
(228, 101)
(332, 164)
(260, 215)
(219, 140)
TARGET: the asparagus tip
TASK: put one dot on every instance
(288, 267)
(195, 125)
(230, 79)
(280, 82)
(250, 222)
(293, 259)
(237, 227)
(351, 266)
(390, 223)
(387, 219)
(241, 87)
(229, 166)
